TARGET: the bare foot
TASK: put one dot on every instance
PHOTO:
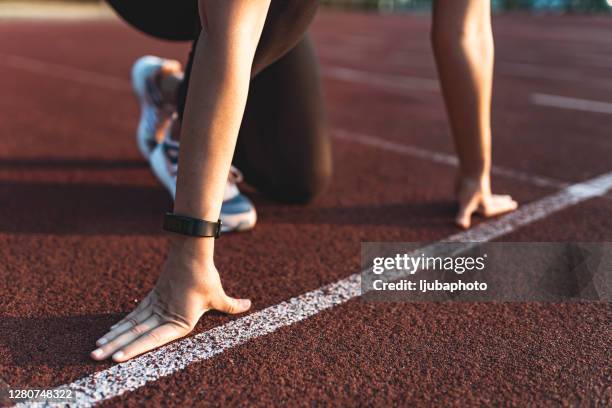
(474, 196)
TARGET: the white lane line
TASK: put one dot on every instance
(386, 81)
(65, 72)
(60, 71)
(391, 82)
(346, 74)
(136, 373)
(40, 67)
(549, 72)
(442, 158)
(564, 102)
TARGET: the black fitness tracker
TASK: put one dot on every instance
(194, 227)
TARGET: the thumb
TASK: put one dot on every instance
(231, 305)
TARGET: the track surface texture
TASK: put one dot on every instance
(80, 238)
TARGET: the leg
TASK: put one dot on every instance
(285, 25)
(290, 181)
(284, 147)
(463, 46)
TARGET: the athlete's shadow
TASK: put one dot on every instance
(70, 164)
(35, 343)
(410, 214)
(28, 343)
(81, 208)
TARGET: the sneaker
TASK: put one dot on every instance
(155, 117)
(237, 211)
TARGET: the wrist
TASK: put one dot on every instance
(479, 174)
(192, 251)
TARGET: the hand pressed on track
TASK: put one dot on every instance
(475, 197)
(170, 311)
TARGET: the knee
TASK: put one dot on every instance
(311, 186)
(304, 187)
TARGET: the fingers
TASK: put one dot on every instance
(141, 306)
(126, 337)
(231, 305)
(497, 205)
(476, 197)
(144, 329)
(150, 340)
(127, 324)
(466, 209)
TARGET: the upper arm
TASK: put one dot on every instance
(234, 20)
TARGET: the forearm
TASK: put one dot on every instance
(213, 113)
(463, 47)
(215, 105)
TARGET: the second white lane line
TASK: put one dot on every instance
(564, 102)
(442, 158)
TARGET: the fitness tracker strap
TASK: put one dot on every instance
(194, 227)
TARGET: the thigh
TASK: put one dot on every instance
(286, 25)
(283, 148)
(169, 20)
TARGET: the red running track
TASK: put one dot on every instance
(80, 239)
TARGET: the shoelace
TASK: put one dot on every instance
(171, 151)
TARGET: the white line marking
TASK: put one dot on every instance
(40, 67)
(136, 373)
(442, 158)
(549, 72)
(391, 82)
(564, 102)
(386, 81)
(369, 78)
(59, 71)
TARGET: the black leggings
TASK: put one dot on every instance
(283, 147)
